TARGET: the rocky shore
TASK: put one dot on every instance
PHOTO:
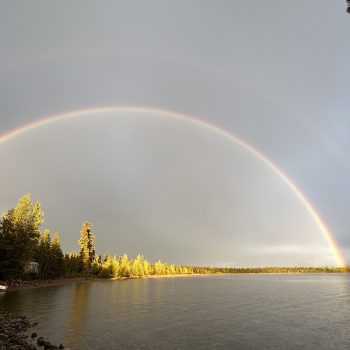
(15, 335)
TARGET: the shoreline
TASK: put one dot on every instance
(15, 285)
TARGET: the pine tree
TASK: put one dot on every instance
(87, 246)
(43, 253)
(56, 257)
(71, 263)
(19, 234)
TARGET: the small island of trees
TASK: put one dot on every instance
(26, 251)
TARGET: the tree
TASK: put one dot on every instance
(124, 266)
(19, 234)
(87, 246)
(71, 263)
(106, 266)
(115, 267)
(96, 266)
(43, 253)
(137, 267)
(56, 257)
(147, 268)
(159, 268)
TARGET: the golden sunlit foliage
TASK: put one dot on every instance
(22, 242)
(87, 246)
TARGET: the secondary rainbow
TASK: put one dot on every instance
(193, 120)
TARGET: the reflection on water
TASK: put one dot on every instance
(77, 314)
(37, 304)
(206, 312)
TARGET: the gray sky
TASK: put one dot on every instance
(275, 75)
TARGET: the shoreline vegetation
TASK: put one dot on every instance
(30, 258)
(29, 254)
(31, 283)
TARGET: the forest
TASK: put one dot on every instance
(23, 244)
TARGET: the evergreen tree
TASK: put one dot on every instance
(87, 246)
(43, 253)
(19, 234)
(56, 257)
(71, 263)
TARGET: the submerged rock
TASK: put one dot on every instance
(47, 345)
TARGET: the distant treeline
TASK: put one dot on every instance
(208, 270)
(26, 251)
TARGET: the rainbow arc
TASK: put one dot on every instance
(196, 121)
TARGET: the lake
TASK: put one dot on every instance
(248, 311)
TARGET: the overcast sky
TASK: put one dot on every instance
(275, 74)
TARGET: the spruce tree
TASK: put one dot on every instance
(56, 257)
(87, 246)
(43, 253)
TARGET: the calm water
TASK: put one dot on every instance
(207, 312)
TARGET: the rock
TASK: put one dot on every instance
(13, 334)
(47, 345)
(61, 346)
(31, 347)
(41, 341)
